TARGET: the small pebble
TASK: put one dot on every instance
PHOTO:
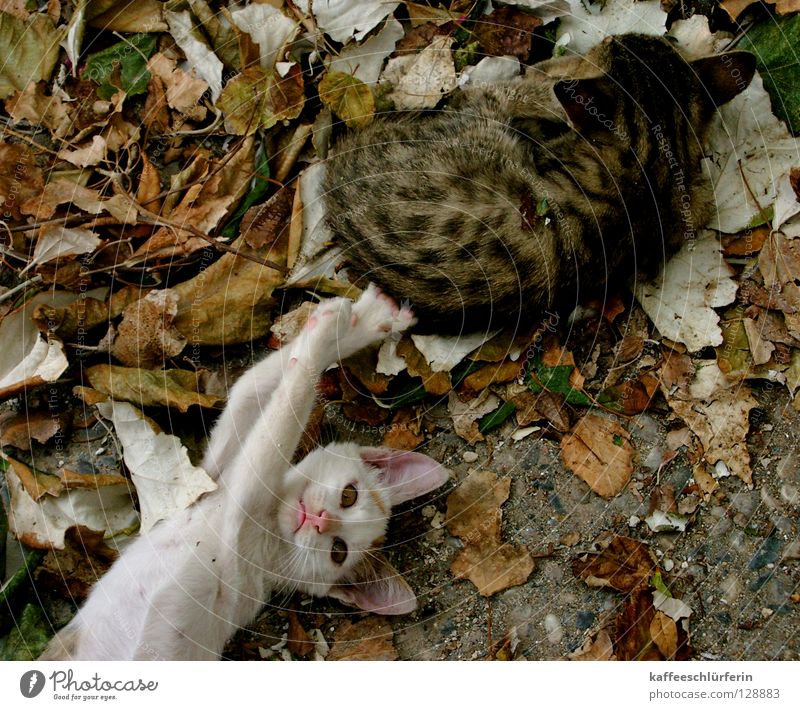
(469, 457)
(766, 613)
(790, 494)
(730, 588)
(553, 626)
(584, 620)
(428, 511)
(668, 565)
(633, 521)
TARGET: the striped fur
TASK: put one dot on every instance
(532, 193)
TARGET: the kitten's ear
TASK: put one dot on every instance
(406, 474)
(588, 103)
(378, 587)
(725, 76)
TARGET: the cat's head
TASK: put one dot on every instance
(335, 509)
(649, 75)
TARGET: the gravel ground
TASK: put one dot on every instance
(736, 565)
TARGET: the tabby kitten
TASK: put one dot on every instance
(524, 194)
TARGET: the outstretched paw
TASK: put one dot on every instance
(327, 326)
(375, 315)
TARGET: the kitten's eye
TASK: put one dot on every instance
(349, 496)
(339, 551)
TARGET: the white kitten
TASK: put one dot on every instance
(181, 591)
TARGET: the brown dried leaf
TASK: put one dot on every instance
(599, 451)
(203, 206)
(633, 641)
(438, 383)
(362, 367)
(20, 430)
(298, 641)
(264, 224)
(641, 634)
(146, 336)
(624, 564)
(369, 640)
(721, 423)
(404, 432)
(146, 388)
(505, 371)
(20, 179)
(507, 31)
(599, 648)
(474, 515)
(82, 315)
(466, 414)
(31, 104)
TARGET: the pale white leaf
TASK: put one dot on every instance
(165, 479)
(749, 158)
(89, 154)
(268, 27)
(343, 19)
(681, 301)
(545, 10)
(422, 80)
(389, 362)
(444, 352)
(365, 61)
(588, 24)
(198, 54)
(660, 521)
(43, 523)
(489, 70)
(57, 241)
(313, 259)
(675, 609)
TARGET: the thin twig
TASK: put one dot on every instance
(13, 291)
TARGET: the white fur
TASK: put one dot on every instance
(182, 590)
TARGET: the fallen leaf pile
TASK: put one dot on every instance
(652, 625)
(162, 215)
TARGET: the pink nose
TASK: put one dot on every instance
(321, 522)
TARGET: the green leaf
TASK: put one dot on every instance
(774, 42)
(556, 379)
(29, 636)
(464, 56)
(349, 98)
(541, 207)
(257, 192)
(497, 417)
(657, 582)
(259, 98)
(123, 63)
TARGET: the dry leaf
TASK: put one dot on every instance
(43, 523)
(492, 374)
(474, 515)
(599, 451)
(721, 422)
(21, 430)
(422, 80)
(641, 633)
(20, 180)
(681, 301)
(624, 564)
(165, 480)
(466, 414)
(404, 432)
(368, 640)
(146, 336)
(664, 633)
(145, 388)
(599, 648)
(298, 641)
(434, 382)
